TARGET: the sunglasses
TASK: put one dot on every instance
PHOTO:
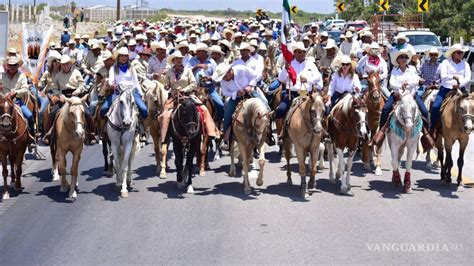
(346, 64)
(458, 52)
(403, 57)
(433, 54)
(299, 52)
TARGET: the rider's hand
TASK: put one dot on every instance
(76, 92)
(422, 81)
(62, 98)
(240, 93)
(248, 89)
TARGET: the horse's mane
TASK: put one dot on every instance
(252, 107)
(346, 103)
(63, 113)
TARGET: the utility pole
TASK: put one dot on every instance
(118, 9)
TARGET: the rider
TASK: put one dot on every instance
(157, 65)
(14, 81)
(47, 79)
(68, 82)
(373, 62)
(455, 74)
(307, 76)
(90, 62)
(403, 76)
(331, 58)
(106, 62)
(429, 71)
(344, 80)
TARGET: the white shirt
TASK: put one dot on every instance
(253, 64)
(343, 84)
(398, 77)
(348, 48)
(128, 78)
(364, 67)
(306, 69)
(243, 77)
(155, 66)
(75, 54)
(448, 69)
(406, 46)
(186, 60)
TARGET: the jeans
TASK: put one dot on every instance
(383, 87)
(386, 110)
(229, 111)
(218, 103)
(142, 108)
(334, 99)
(285, 104)
(24, 109)
(421, 106)
(435, 108)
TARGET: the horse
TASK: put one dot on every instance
(375, 102)
(69, 134)
(304, 130)
(187, 128)
(122, 120)
(428, 98)
(155, 98)
(405, 125)
(347, 124)
(249, 128)
(13, 142)
(456, 120)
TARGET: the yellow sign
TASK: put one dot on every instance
(259, 12)
(423, 6)
(384, 5)
(294, 9)
(340, 7)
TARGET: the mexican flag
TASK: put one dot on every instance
(286, 40)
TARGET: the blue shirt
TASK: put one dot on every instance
(65, 37)
(198, 73)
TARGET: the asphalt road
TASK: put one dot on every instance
(218, 224)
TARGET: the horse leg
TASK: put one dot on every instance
(246, 155)
(378, 161)
(314, 161)
(125, 162)
(261, 164)
(13, 173)
(287, 150)
(189, 163)
(330, 149)
(407, 180)
(394, 150)
(62, 170)
(76, 156)
(366, 154)
(301, 156)
(232, 160)
(448, 146)
(54, 160)
(462, 149)
(178, 162)
(322, 148)
(348, 173)
(341, 167)
(18, 170)
(6, 194)
(105, 153)
(164, 158)
(429, 165)
(203, 155)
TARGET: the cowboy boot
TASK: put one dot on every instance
(225, 141)
(427, 142)
(279, 128)
(31, 132)
(49, 131)
(90, 133)
(270, 139)
(142, 131)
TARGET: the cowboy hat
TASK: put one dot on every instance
(297, 46)
(53, 55)
(324, 34)
(433, 50)
(140, 37)
(401, 36)
(331, 44)
(146, 51)
(227, 30)
(455, 47)
(123, 51)
(220, 72)
(158, 45)
(254, 43)
(348, 34)
(86, 36)
(345, 59)
(66, 59)
(95, 45)
(77, 36)
(12, 51)
(106, 55)
(216, 49)
(132, 42)
(110, 30)
(238, 35)
(14, 60)
(247, 46)
(181, 45)
(71, 41)
(253, 36)
(175, 54)
(262, 47)
(374, 46)
(398, 54)
(226, 43)
(202, 47)
(367, 34)
(267, 33)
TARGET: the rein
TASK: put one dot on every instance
(14, 137)
(76, 123)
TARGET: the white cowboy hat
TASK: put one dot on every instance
(262, 47)
(14, 60)
(95, 45)
(202, 47)
(123, 51)
(247, 46)
(77, 36)
(226, 43)
(66, 59)
(175, 54)
(106, 55)
(348, 34)
(216, 49)
(399, 53)
(267, 33)
(254, 43)
(140, 37)
(238, 34)
(192, 47)
(401, 36)
(155, 45)
(71, 41)
(253, 36)
(297, 46)
(220, 72)
(331, 44)
(345, 59)
(324, 34)
(86, 36)
(433, 50)
(367, 34)
(182, 44)
(227, 30)
(374, 46)
(110, 30)
(455, 47)
(132, 42)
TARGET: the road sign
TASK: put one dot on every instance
(259, 12)
(423, 6)
(384, 5)
(340, 7)
(294, 9)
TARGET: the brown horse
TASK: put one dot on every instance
(250, 131)
(457, 123)
(155, 98)
(304, 130)
(13, 142)
(69, 137)
(375, 102)
(347, 124)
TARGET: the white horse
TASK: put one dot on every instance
(122, 120)
(435, 163)
(404, 132)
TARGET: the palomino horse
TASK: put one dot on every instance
(249, 129)
(122, 120)
(187, 130)
(456, 120)
(375, 103)
(405, 126)
(13, 142)
(347, 124)
(68, 136)
(304, 132)
(155, 98)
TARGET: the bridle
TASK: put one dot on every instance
(191, 128)
(76, 123)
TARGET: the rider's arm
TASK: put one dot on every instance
(80, 86)
(332, 85)
(395, 84)
(192, 81)
(21, 86)
(383, 73)
(466, 78)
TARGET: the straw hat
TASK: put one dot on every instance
(345, 59)
(374, 46)
(132, 42)
(433, 50)
(324, 34)
(349, 34)
(182, 44)
(202, 47)
(86, 36)
(66, 59)
(267, 33)
(253, 36)
(454, 48)
(227, 30)
(401, 36)
(106, 55)
(216, 49)
(12, 51)
(254, 43)
(226, 43)
(155, 45)
(95, 45)
(331, 44)
(399, 53)
(176, 54)
(247, 46)
(140, 37)
(238, 34)
(220, 72)
(297, 46)
(123, 51)
(262, 47)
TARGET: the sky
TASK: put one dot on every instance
(319, 6)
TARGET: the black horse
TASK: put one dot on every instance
(186, 127)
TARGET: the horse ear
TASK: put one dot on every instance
(68, 101)
(269, 114)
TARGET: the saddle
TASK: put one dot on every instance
(297, 102)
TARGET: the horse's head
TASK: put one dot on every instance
(374, 86)
(188, 117)
(407, 112)
(359, 113)
(126, 104)
(76, 114)
(466, 108)
(256, 120)
(317, 112)
(6, 112)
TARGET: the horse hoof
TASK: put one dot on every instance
(6, 196)
(180, 184)
(460, 188)
(446, 182)
(348, 193)
(124, 194)
(247, 190)
(320, 167)
(202, 173)
(73, 195)
(305, 195)
(190, 189)
(378, 171)
(232, 173)
(259, 182)
(367, 167)
(63, 189)
(289, 181)
(338, 176)
(55, 177)
(163, 175)
(407, 189)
